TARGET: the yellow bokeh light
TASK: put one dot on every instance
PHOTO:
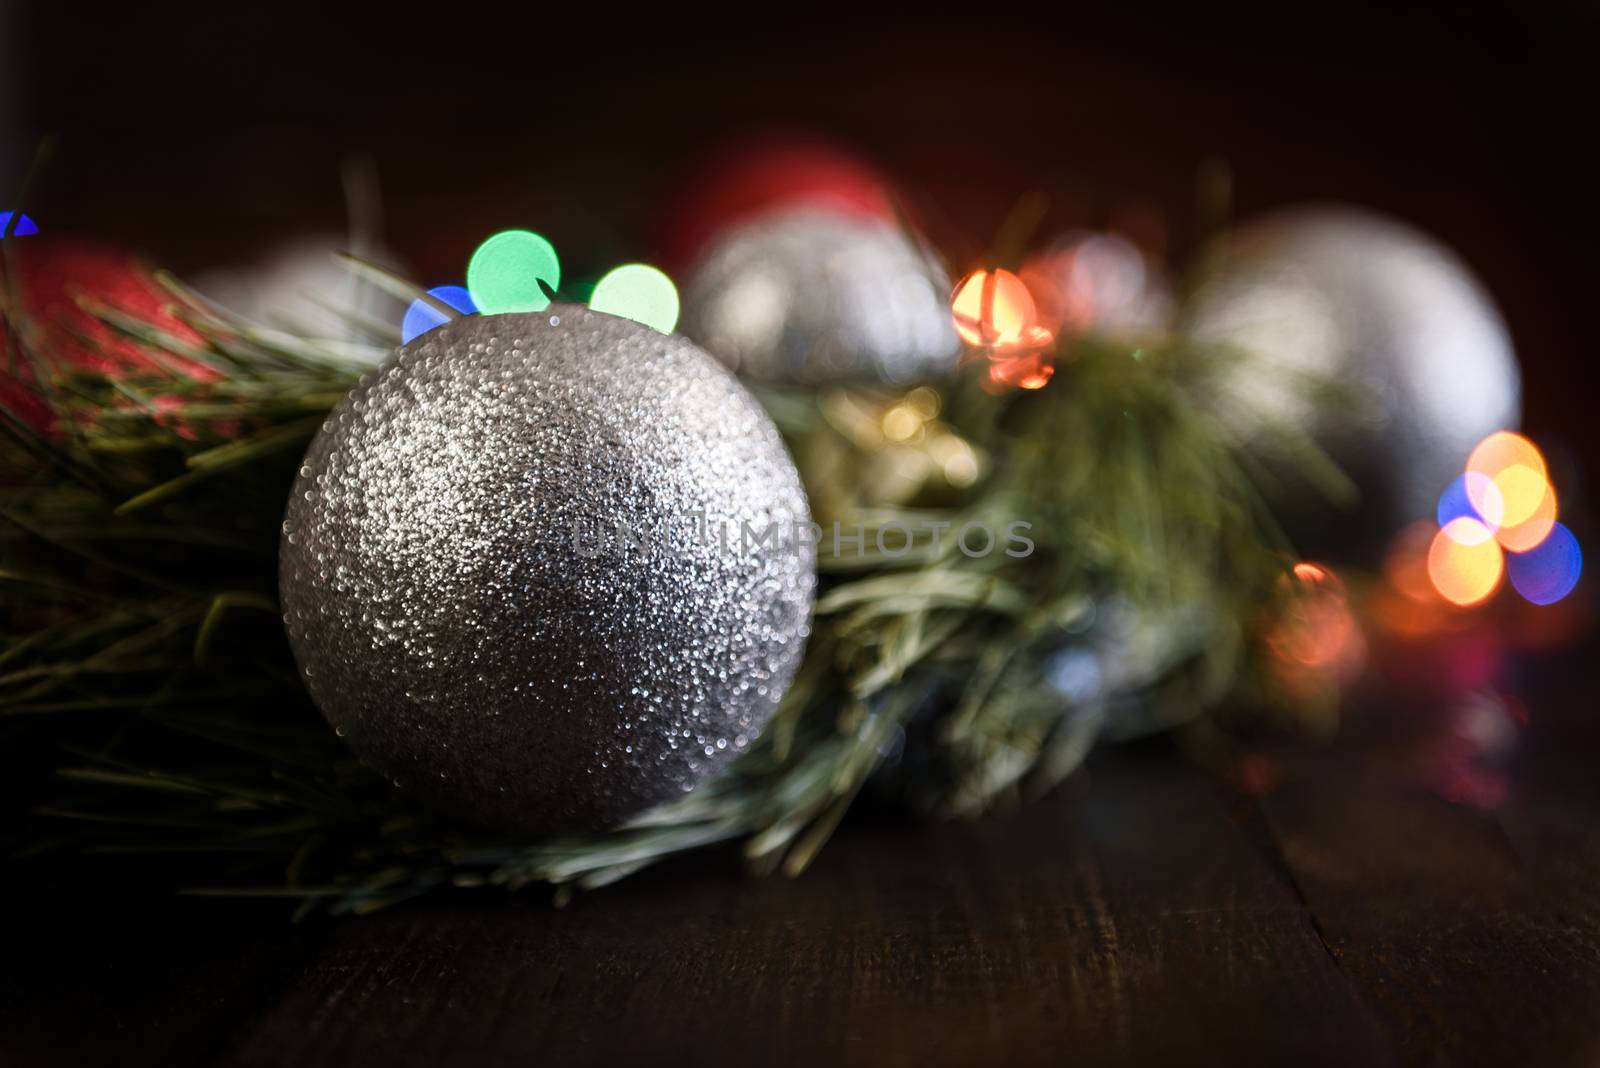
(960, 464)
(1497, 453)
(924, 401)
(902, 422)
(1465, 564)
(1522, 492)
(1531, 531)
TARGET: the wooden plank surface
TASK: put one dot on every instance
(1070, 929)
(1147, 914)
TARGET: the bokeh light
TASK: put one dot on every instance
(1549, 571)
(21, 227)
(1507, 484)
(423, 316)
(1495, 454)
(1521, 490)
(1464, 562)
(994, 310)
(1530, 508)
(639, 292)
(956, 459)
(1315, 637)
(1504, 449)
(1456, 502)
(1467, 531)
(505, 273)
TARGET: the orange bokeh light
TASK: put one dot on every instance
(1317, 629)
(994, 310)
(1530, 533)
(1522, 493)
(1465, 564)
(1506, 475)
(1530, 508)
(1504, 449)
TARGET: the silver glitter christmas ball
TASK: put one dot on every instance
(1367, 302)
(811, 296)
(515, 571)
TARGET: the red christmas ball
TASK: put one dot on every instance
(744, 181)
(49, 279)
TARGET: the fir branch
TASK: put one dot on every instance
(143, 650)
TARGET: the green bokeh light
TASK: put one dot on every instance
(504, 274)
(639, 292)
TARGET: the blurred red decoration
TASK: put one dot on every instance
(762, 175)
(51, 277)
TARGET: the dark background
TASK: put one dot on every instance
(206, 135)
(1149, 913)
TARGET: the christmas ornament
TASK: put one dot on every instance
(301, 286)
(812, 295)
(461, 616)
(59, 284)
(1365, 302)
(763, 176)
(543, 569)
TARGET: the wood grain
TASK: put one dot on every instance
(1147, 914)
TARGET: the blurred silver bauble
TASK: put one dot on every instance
(302, 286)
(1345, 295)
(811, 296)
(464, 609)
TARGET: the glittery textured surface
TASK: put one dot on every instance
(463, 625)
(814, 296)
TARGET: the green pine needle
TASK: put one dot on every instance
(144, 658)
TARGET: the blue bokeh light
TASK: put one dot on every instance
(1547, 572)
(422, 316)
(23, 225)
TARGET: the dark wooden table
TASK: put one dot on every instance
(1149, 913)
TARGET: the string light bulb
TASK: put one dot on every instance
(993, 310)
